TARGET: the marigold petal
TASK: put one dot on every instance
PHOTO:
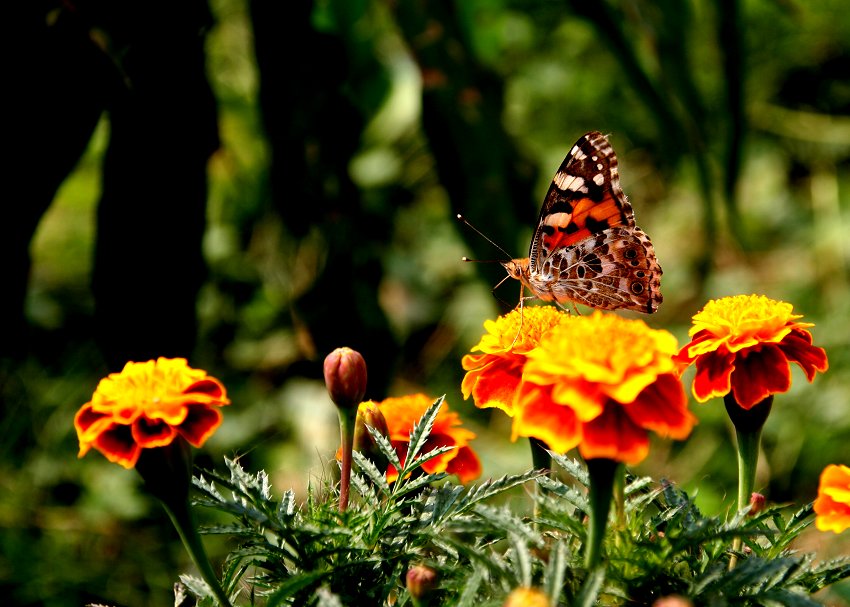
(583, 397)
(209, 387)
(663, 408)
(713, 376)
(494, 384)
(832, 506)
(613, 435)
(150, 433)
(798, 348)
(89, 423)
(465, 465)
(118, 446)
(200, 423)
(539, 417)
(759, 372)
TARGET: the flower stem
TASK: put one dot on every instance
(347, 420)
(748, 426)
(540, 458)
(602, 475)
(181, 516)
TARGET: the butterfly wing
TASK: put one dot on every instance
(584, 200)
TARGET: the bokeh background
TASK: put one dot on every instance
(340, 138)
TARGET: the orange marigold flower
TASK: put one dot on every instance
(526, 597)
(401, 413)
(494, 376)
(744, 344)
(832, 506)
(601, 382)
(148, 405)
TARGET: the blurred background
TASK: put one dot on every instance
(251, 184)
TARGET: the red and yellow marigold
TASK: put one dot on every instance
(744, 344)
(832, 506)
(493, 376)
(402, 413)
(600, 383)
(148, 405)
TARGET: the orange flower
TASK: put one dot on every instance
(601, 382)
(494, 376)
(526, 597)
(148, 405)
(403, 412)
(744, 344)
(832, 506)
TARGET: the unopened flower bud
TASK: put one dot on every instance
(421, 581)
(345, 377)
(757, 503)
(526, 597)
(368, 414)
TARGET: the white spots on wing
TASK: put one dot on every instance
(594, 158)
(599, 179)
(577, 153)
(599, 166)
(565, 181)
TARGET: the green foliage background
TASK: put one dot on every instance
(732, 124)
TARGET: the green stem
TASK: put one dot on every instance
(347, 420)
(181, 516)
(540, 458)
(748, 426)
(602, 475)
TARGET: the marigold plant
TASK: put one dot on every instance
(147, 405)
(493, 376)
(601, 382)
(401, 413)
(744, 344)
(832, 506)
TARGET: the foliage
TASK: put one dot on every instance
(661, 545)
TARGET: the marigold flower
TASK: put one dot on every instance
(494, 376)
(526, 597)
(401, 413)
(601, 382)
(832, 506)
(744, 344)
(149, 405)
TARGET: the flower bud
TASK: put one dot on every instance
(368, 414)
(526, 597)
(420, 581)
(345, 377)
(757, 503)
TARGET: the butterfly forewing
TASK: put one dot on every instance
(584, 198)
(586, 247)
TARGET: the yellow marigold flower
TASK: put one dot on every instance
(832, 506)
(401, 413)
(149, 405)
(494, 375)
(526, 597)
(601, 382)
(744, 344)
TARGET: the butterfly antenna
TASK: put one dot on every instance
(482, 235)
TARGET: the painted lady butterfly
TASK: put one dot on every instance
(586, 247)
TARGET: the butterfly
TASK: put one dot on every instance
(586, 247)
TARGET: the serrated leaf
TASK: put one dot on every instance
(421, 431)
(573, 466)
(378, 478)
(521, 559)
(490, 488)
(553, 575)
(385, 447)
(469, 592)
(293, 585)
